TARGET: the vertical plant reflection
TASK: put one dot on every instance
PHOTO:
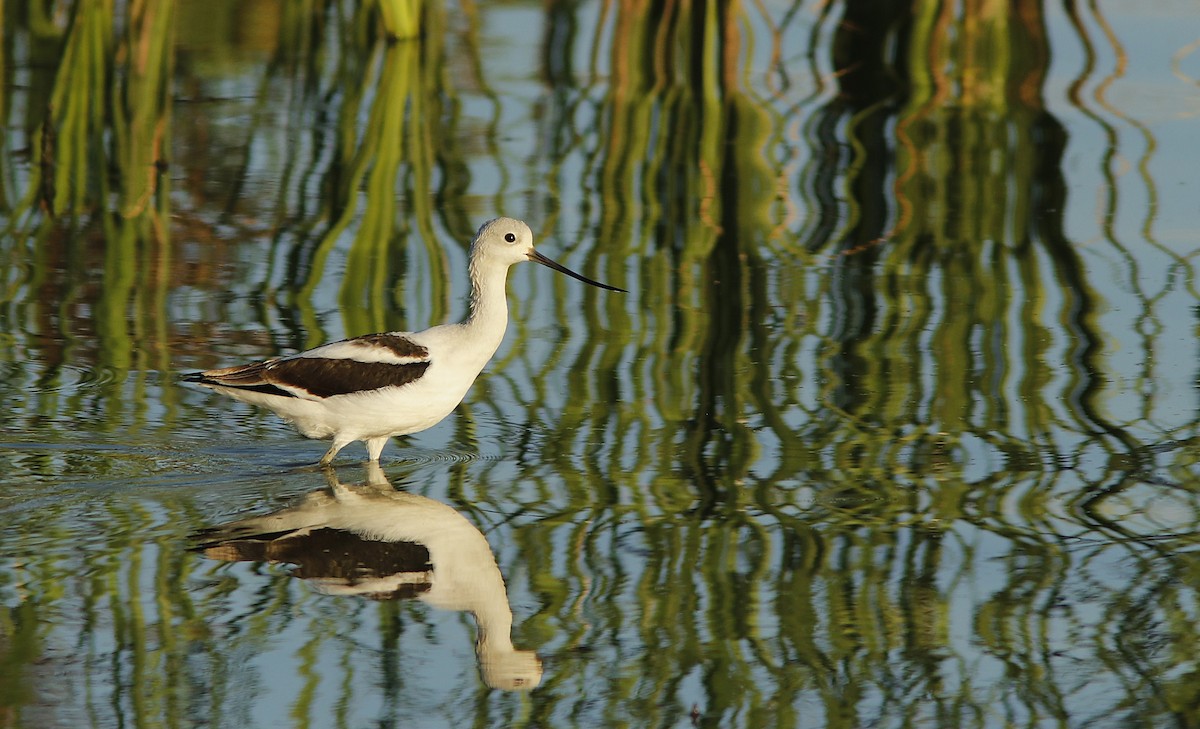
(951, 312)
(94, 196)
(376, 157)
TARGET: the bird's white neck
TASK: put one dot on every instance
(494, 619)
(489, 304)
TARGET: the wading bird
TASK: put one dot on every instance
(376, 386)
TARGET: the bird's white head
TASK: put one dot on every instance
(503, 240)
(507, 241)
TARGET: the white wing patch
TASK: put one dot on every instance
(395, 348)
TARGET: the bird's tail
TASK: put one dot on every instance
(251, 377)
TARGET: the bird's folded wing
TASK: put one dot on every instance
(341, 368)
(325, 377)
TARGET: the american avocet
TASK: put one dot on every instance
(376, 386)
(373, 541)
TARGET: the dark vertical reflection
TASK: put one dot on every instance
(867, 52)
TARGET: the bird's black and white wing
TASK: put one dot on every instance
(360, 364)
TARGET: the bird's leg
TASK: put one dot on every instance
(376, 476)
(375, 447)
(333, 451)
(331, 478)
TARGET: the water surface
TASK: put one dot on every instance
(897, 425)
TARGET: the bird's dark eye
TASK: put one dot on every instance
(510, 237)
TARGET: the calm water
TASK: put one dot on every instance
(897, 426)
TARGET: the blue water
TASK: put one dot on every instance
(896, 425)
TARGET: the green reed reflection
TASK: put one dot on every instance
(937, 335)
(97, 141)
(377, 187)
(104, 83)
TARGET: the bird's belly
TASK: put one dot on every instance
(399, 410)
(389, 411)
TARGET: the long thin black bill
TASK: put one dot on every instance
(539, 258)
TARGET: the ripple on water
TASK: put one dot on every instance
(74, 378)
(441, 456)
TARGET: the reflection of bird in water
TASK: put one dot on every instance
(373, 387)
(375, 541)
